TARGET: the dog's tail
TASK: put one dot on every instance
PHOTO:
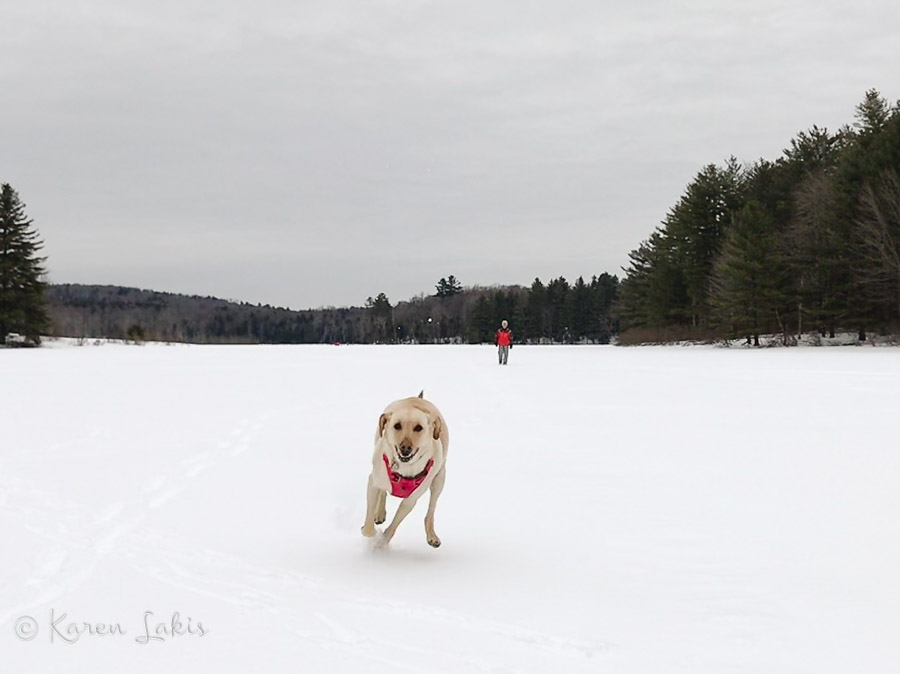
(422, 393)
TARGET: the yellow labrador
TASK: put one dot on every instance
(411, 444)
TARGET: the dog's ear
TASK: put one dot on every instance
(382, 422)
(436, 428)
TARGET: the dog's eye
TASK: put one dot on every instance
(418, 428)
(397, 426)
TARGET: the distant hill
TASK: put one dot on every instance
(129, 313)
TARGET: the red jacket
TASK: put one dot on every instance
(504, 337)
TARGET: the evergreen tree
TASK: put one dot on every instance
(653, 293)
(604, 295)
(536, 311)
(815, 248)
(559, 304)
(746, 288)
(816, 149)
(873, 149)
(696, 226)
(448, 287)
(872, 113)
(798, 191)
(582, 309)
(381, 316)
(504, 307)
(21, 270)
(634, 311)
(480, 326)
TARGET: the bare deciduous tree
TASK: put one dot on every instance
(878, 232)
(812, 245)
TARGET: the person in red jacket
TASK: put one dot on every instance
(504, 341)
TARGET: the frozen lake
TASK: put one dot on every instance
(606, 510)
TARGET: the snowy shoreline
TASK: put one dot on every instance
(766, 341)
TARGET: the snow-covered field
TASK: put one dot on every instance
(616, 510)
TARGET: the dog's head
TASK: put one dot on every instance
(408, 430)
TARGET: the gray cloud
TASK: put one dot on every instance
(311, 153)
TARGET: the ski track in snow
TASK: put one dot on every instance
(264, 589)
(93, 536)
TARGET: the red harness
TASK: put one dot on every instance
(401, 485)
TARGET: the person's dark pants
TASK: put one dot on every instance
(503, 353)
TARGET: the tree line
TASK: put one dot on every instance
(809, 241)
(558, 312)
(555, 312)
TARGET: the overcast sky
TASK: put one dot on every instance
(306, 154)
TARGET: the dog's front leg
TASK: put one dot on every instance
(372, 492)
(381, 507)
(436, 488)
(406, 506)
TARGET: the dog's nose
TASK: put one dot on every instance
(405, 448)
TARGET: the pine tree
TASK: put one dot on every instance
(480, 326)
(536, 318)
(696, 227)
(873, 113)
(21, 270)
(604, 295)
(654, 292)
(561, 310)
(872, 150)
(816, 149)
(582, 309)
(799, 192)
(815, 248)
(746, 283)
(634, 311)
(503, 307)
(448, 287)
(381, 317)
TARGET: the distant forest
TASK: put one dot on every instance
(556, 312)
(807, 242)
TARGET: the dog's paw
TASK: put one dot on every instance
(379, 519)
(367, 531)
(381, 541)
(434, 541)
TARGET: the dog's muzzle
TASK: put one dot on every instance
(406, 454)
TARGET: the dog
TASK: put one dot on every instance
(410, 457)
